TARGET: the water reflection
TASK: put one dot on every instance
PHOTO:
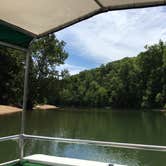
(89, 152)
(96, 124)
(119, 126)
(8, 151)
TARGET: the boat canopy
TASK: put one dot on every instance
(23, 20)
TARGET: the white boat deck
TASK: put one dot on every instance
(63, 161)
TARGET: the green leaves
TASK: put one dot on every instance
(127, 83)
(48, 53)
(11, 76)
(44, 83)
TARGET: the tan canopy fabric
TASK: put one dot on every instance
(39, 17)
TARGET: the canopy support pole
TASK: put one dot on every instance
(25, 96)
(12, 46)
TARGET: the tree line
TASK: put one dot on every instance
(137, 82)
(45, 81)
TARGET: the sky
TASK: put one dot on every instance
(111, 36)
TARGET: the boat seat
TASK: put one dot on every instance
(63, 161)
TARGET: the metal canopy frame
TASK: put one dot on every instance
(22, 136)
(13, 46)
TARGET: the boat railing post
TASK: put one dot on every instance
(25, 95)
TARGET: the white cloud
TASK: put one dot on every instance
(73, 69)
(117, 34)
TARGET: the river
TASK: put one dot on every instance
(95, 124)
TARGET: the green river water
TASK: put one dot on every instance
(95, 124)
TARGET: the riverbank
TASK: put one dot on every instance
(163, 110)
(4, 109)
(45, 107)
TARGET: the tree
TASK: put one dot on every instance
(47, 53)
(44, 82)
(11, 76)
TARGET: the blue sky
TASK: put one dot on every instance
(111, 36)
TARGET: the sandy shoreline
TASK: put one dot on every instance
(45, 107)
(4, 109)
(163, 110)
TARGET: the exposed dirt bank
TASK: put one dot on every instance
(45, 107)
(163, 110)
(4, 109)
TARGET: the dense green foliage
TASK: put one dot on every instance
(47, 53)
(127, 83)
(11, 74)
(44, 79)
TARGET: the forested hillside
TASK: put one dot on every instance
(138, 82)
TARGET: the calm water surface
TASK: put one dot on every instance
(96, 124)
